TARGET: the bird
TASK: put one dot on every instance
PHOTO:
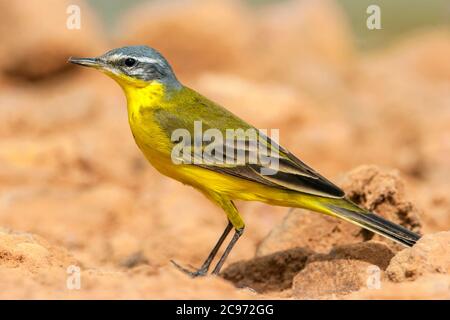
(159, 106)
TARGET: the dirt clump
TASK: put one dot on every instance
(345, 269)
(382, 192)
(431, 254)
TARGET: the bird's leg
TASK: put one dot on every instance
(237, 234)
(205, 267)
(236, 220)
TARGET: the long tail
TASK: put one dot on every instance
(347, 210)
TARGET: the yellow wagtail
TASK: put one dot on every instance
(159, 105)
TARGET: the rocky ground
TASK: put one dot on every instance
(76, 194)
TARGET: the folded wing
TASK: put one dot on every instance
(288, 173)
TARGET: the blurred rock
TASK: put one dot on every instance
(30, 254)
(345, 269)
(41, 43)
(423, 56)
(193, 35)
(33, 112)
(382, 192)
(437, 204)
(311, 37)
(266, 105)
(269, 273)
(392, 103)
(65, 137)
(431, 254)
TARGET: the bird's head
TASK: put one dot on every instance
(136, 66)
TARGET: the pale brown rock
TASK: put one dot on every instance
(41, 43)
(326, 279)
(194, 36)
(345, 269)
(431, 254)
(437, 204)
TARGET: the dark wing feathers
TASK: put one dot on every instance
(292, 174)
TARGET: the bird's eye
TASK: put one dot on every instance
(130, 62)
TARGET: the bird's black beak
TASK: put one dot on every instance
(86, 62)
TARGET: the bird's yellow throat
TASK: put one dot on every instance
(140, 93)
(149, 96)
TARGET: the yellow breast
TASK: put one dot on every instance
(141, 103)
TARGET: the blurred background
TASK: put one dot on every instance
(399, 17)
(342, 96)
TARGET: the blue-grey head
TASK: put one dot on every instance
(138, 65)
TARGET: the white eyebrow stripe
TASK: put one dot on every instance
(147, 60)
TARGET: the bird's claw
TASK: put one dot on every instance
(194, 274)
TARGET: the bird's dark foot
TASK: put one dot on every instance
(194, 274)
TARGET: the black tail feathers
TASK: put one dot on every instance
(368, 220)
